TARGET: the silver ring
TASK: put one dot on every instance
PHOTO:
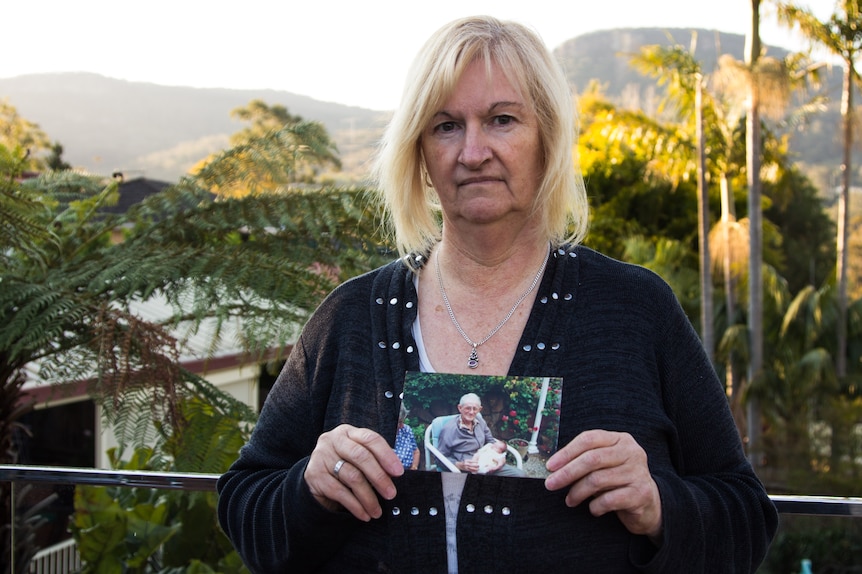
(337, 467)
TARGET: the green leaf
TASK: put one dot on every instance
(147, 531)
(99, 526)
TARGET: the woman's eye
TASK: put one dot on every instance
(503, 120)
(445, 127)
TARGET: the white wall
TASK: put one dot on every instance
(241, 382)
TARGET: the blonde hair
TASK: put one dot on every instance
(401, 177)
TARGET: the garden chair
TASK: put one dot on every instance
(432, 432)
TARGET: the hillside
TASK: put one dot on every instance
(108, 125)
(604, 56)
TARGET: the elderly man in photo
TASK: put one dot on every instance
(465, 434)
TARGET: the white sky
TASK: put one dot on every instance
(344, 51)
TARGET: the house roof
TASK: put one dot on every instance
(135, 191)
(201, 351)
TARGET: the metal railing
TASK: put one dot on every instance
(101, 477)
(57, 559)
(786, 504)
(63, 558)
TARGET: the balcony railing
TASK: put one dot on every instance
(100, 477)
(786, 504)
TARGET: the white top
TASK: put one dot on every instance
(453, 482)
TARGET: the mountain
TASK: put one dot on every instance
(604, 56)
(108, 125)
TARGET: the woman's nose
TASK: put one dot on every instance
(476, 147)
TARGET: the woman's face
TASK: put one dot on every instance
(483, 151)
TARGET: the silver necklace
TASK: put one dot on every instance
(473, 360)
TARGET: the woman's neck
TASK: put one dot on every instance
(489, 269)
(478, 293)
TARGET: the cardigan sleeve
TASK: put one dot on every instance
(335, 374)
(716, 512)
(265, 506)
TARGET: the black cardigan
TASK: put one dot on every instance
(630, 361)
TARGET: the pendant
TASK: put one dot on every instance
(473, 361)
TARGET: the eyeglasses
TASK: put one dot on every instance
(471, 408)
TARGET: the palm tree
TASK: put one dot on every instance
(680, 71)
(731, 238)
(729, 252)
(841, 35)
(728, 242)
(755, 259)
(766, 81)
(706, 310)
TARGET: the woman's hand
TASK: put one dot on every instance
(610, 470)
(369, 464)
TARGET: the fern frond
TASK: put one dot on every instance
(21, 226)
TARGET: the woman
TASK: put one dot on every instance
(650, 475)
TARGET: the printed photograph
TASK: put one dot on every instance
(494, 425)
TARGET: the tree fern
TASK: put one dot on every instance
(263, 260)
(251, 267)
